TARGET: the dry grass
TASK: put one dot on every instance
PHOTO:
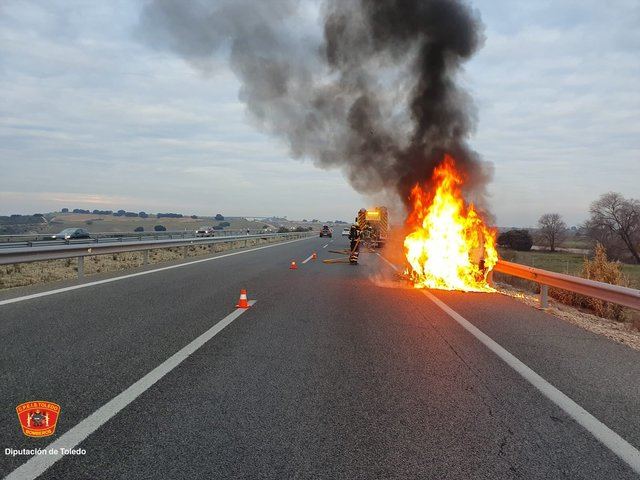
(564, 262)
(23, 274)
(599, 269)
(614, 321)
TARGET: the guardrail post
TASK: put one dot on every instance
(145, 257)
(80, 267)
(544, 296)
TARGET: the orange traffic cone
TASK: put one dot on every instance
(314, 256)
(243, 303)
(293, 265)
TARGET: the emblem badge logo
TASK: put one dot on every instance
(38, 418)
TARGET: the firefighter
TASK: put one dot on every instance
(354, 237)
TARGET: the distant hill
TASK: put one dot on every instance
(16, 224)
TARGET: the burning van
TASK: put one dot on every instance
(450, 247)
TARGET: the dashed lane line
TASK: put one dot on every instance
(36, 465)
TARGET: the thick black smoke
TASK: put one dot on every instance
(375, 94)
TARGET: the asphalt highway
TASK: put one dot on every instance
(336, 372)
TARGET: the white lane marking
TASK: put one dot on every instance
(146, 272)
(308, 258)
(604, 434)
(325, 246)
(38, 464)
(614, 442)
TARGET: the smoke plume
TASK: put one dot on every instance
(373, 92)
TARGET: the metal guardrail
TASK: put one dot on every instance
(38, 239)
(80, 250)
(628, 297)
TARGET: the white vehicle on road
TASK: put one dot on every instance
(345, 232)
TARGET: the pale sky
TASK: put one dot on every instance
(91, 117)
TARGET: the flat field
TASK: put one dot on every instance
(109, 223)
(563, 262)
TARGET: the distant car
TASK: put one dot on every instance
(345, 232)
(205, 232)
(326, 231)
(69, 234)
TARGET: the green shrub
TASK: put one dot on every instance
(520, 240)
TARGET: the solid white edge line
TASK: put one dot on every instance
(614, 442)
(308, 258)
(36, 465)
(137, 274)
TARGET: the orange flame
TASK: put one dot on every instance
(450, 247)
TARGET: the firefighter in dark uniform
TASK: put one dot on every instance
(354, 237)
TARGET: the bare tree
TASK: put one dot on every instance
(615, 219)
(552, 230)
